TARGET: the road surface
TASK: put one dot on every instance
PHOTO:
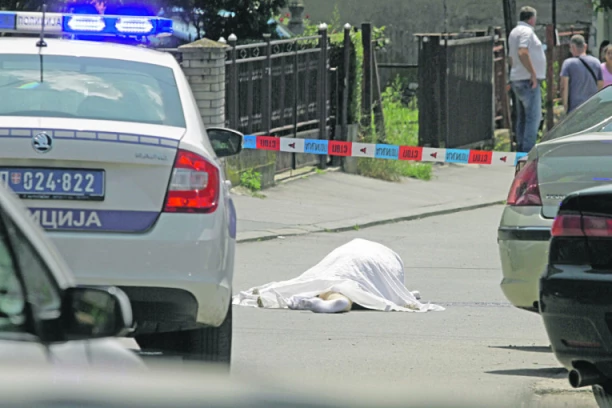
(480, 344)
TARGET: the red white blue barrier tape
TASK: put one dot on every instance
(380, 151)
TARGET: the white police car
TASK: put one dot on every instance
(106, 146)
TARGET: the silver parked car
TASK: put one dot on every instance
(575, 155)
(44, 318)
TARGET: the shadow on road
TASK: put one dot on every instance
(553, 372)
(532, 349)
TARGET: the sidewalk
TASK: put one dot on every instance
(337, 201)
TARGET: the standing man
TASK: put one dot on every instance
(581, 76)
(528, 63)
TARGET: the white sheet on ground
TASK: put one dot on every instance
(368, 273)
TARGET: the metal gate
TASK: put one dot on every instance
(456, 91)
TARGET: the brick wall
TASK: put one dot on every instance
(204, 65)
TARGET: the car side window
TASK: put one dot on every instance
(42, 291)
(12, 298)
(591, 116)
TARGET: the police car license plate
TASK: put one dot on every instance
(54, 183)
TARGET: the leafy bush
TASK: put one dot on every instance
(251, 180)
(402, 128)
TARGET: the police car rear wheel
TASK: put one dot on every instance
(211, 344)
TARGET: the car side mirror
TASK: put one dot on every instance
(225, 142)
(91, 313)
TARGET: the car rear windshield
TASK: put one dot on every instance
(594, 115)
(89, 88)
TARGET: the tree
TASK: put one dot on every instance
(248, 19)
(602, 4)
(20, 5)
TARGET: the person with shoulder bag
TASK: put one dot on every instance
(581, 75)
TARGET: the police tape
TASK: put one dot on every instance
(380, 151)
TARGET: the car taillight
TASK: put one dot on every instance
(525, 190)
(194, 186)
(567, 226)
(572, 225)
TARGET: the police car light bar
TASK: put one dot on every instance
(84, 24)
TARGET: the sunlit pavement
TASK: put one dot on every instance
(479, 345)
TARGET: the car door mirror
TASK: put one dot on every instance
(225, 142)
(90, 313)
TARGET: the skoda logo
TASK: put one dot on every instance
(42, 143)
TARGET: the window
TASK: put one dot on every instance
(12, 299)
(594, 115)
(42, 292)
(89, 88)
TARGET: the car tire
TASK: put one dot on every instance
(210, 344)
(603, 395)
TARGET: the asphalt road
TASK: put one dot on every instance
(479, 349)
(479, 345)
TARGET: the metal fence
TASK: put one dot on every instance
(503, 115)
(280, 88)
(456, 93)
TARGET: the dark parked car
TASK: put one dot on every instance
(576, 290)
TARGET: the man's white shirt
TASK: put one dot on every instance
(524, 36)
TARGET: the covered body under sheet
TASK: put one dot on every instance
(368, 273)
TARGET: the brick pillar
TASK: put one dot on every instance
(204, 66)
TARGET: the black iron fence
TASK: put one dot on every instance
(282, 88)
(456, 90)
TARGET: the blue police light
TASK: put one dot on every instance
(7, 21)
(133, 10)
(83, 9)
(133, 25)
(116, 25)
(86, 24)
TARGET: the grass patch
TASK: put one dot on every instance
(502, 141)
(401, 128)
(251, 180)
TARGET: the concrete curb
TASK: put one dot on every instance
(348, 226)
(289, 176)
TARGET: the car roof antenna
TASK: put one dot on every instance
(41, 42)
